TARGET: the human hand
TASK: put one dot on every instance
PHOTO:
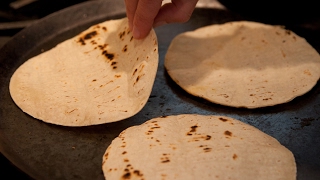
(145, 14)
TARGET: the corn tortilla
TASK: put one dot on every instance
(190, 146)
(101, 75)
(243, 64)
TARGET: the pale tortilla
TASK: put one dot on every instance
(243, 64)
(189, 147)
(101, 75)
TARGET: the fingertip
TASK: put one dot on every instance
(159, 23)
(136, 33)
(140, 31)
(144, 16)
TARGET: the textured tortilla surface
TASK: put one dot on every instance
(101, 75)
(190, 146)
(243, 64)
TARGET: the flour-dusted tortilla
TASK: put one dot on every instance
(99, 76)
(243, 64)
(190, 146)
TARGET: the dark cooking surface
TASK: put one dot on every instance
(12, 20)
(46, 151)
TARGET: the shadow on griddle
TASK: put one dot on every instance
(307, 100)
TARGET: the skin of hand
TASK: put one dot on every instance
(143, 15)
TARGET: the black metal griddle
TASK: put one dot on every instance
(46, 151)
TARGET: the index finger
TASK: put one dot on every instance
(144, 17)
(141, 15)
(131, 6)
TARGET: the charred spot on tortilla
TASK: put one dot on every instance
(165, 158)
(149, 132)
(110, 56)
(234, 156)
(137, 172)
(155, 127)
(223, 119)
(90, 35)
(137, 79)
(134, 72)
(93, 42)
(166, 161)
(122, 34)
(194, 128)
(288, 32)
(266, 99)
(125, 48)
(228, 133)
(81, 41)
(208, 137)
(102, 47)
(127, 175)
(87, 37)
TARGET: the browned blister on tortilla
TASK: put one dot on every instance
(243, 64)
(189, 146)
(101, 75)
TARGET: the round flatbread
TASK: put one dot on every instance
(243, 64)
(189, 147)
(101, 75)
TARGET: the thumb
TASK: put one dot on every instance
(177, 11)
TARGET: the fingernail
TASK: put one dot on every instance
(160, 23)
(135, 32)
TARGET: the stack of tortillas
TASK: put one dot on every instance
(243, 64)
(190, 147)
(101, 75)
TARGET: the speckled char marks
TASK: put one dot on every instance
(192, 146)
(109, 77)
(243, 64)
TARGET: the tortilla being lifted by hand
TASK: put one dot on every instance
(189, 147)
(243, 64)
(101, 75)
